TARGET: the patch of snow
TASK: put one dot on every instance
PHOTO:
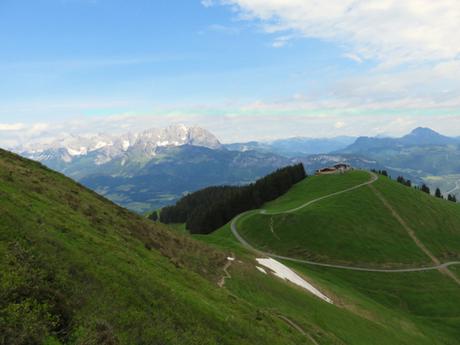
(125, 145)
(80, 152)
(100, 145)
(261, 270)
(101, 159)
(286, 273)
(36, 151)
(230, 259)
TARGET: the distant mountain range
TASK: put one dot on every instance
(423, 154)
(147, 170)
(418, 156)
(423, 151)
(130, 147)
(421, 137)
(174, 171)
(294, 147)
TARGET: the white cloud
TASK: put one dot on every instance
(388, 31)
(422, 87)
(281, 41)
(339, 124)
(244, 123)
(207, 3)
(353, 57)
(11, 127)
(411, 46)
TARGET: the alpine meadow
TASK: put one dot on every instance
(229, 172)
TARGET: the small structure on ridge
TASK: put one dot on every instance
(336, 169)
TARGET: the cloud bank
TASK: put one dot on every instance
(408, 51)
(391, 32)
(242, 125)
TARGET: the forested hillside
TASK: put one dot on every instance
(207, 210)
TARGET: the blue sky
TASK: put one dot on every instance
(228, 65)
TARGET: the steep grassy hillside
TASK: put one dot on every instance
(373, 308)
(315, 187)
(435, 221)
(76, 269)
(429, 300)
(356, 227)
(370, 308)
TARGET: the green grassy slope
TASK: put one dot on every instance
(428, 300)
(374, 308)
(315, 187)
(435, 221)
(354, 320)
(76, 269)
(370, 308)
(356, 227)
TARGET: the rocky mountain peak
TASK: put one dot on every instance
(106, 147)
(178, 135)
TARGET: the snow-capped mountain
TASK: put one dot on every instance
(103, 147)
(146, 170)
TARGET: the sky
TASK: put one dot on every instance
(244, 69)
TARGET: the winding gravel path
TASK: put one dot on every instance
(297, 328)
(374, 177)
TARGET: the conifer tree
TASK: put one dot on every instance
(425, 189)
(452, 198)
(438, 193)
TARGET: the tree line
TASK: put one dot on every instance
(424, 188)
(208, 209)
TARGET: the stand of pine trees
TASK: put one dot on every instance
(207, 210)
(381, 172)
(403, 181)
(424, 188)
